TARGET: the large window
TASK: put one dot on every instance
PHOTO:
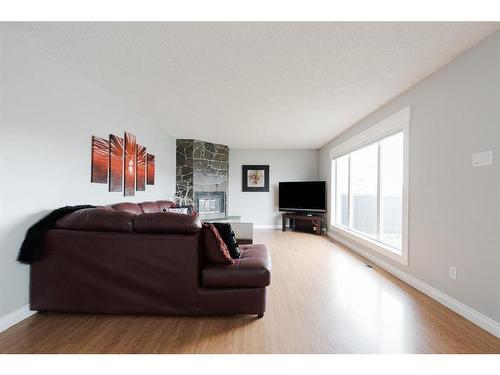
(369, 201)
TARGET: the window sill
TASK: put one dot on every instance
(387, 251)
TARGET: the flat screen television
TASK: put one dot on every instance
(305, 196)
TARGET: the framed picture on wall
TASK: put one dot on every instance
(255, 178)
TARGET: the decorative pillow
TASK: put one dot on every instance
(227, 234)
(214, 247)
(179, 210)
(187, 210)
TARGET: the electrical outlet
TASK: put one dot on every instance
(482, 159)
(452, 272)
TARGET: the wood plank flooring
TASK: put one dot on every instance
(322, 299)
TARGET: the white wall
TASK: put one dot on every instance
(47, 117)
(454, 208)
(261, 208)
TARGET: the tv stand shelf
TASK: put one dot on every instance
(302, 222)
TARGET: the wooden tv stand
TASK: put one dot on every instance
(298, 221)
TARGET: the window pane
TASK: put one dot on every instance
(342, 191)
(364, 186)
(391, 175)
(333, 207)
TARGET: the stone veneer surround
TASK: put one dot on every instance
(201, 167)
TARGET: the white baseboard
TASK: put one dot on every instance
(483, 321)
(267, 226)
(15, 317)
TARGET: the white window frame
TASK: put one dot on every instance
(397, 122)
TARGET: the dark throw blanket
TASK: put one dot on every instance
(31, 249)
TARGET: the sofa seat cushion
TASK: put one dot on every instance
(251, 270)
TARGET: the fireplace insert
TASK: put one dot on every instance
(210, 204)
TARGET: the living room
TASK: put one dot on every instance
(250, 187)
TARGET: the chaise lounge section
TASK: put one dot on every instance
(136, 259)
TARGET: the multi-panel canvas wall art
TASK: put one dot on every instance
(140, 183)
(151, 169)
(115, 163)
(122, 163)
(100, 154)
(129, 165)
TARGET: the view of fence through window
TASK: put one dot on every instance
(368, 193)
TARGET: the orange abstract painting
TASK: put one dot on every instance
(115, 163)
(140, 183)
(100, 151)
(122, 163)
(151, 169)
(129, 165)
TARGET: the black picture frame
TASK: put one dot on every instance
(244, 174)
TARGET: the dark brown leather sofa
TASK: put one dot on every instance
(135, 259)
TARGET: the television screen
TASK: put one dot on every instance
(307, 196)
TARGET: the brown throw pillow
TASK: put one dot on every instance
(214, 247)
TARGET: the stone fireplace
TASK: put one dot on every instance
(202, 176)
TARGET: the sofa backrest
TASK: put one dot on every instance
(144, 207)
(98, 220)
(146, 218)
(133, 208)
(167, 223)
(149, 207)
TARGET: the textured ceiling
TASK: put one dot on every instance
(256, 85)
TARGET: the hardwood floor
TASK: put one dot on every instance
(322, 299)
